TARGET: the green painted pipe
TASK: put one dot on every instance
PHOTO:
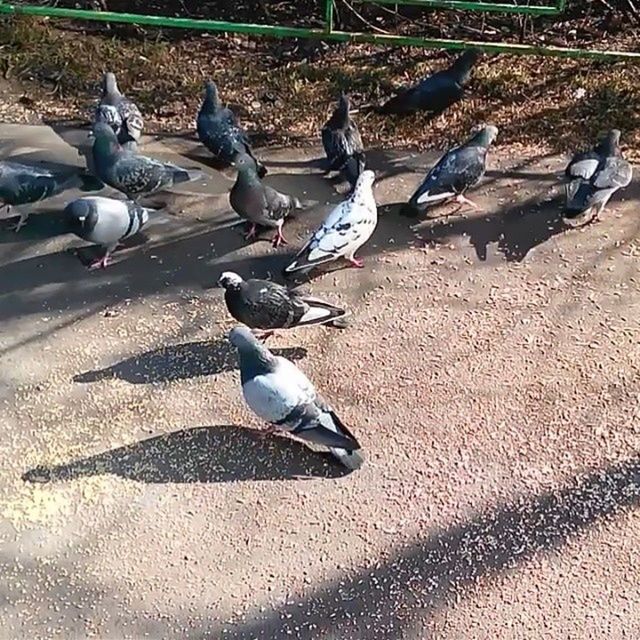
(321, 34)
(463, 5)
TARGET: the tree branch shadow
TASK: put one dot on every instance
(392, 599)
(223, 453)
(178, 362)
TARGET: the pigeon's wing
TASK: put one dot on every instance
(135, 174)
(583, 165)
(110, 115)
(329, 240)
(615, 173)
(279, 205)
(455, 172)
(21, 184)
(437, 92)
(116, 220)
(250, 202)
(132, 120)
(275, 395)
(268, 305)
(354, 140)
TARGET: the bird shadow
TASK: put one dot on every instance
(212, 454)
(178, 362)
(516, 230)
(41, 225)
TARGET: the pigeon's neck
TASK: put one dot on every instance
(105, 150)
(609, 147)
(364, 196)
(247, 177)
(211, 103)
(255, 362)
(481, 139)
(461, 69)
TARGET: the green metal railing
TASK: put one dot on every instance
(329, 33)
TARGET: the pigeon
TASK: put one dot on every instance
(279, 393)
(258, 203)
(594, 176)
(458, 170)
(104, 221)
(132, 174)
(437, 92)
(262, 304)
(120, 113)
(219, 131)
(342, 143)
(25, 184)
(346, 229)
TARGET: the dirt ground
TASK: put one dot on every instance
(492, 378)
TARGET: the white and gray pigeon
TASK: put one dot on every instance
(594, 176)
(218, 130)
(120, 113)
(266, 305)
(258, 203)
(437, 92)
(342, 143)
(279, 393)
(104, 221)
(22, 184)
(133, 174)
(346, 229)
(460, 169)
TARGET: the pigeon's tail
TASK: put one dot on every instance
(409, 210)
(302, 265)
(351, 459)
(319, 312)
(186, 175)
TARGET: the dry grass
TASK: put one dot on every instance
(283, 90)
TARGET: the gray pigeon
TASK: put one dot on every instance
(104, 221)
(457, 171)
(258, 203)
(132, 174)
(342, 143)
(594, 176)
(219, 131)
(120, 113)
(262, 304)
(279, 393)
(437, 92)
(25, 184)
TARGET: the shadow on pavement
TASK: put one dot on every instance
(391, 599)
(224, 453)
(179, 362)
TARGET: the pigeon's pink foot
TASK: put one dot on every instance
(461, 200)
(252, 232)
(279, 239)
(269, 430)
(358, 263)
(101, 263)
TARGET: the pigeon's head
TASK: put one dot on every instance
(244, 162)
(343, 102)
(78, 215)
(485, 135)
(243, 339)
(109, 83)
(230, 280)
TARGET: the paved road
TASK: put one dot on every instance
(492, 377)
